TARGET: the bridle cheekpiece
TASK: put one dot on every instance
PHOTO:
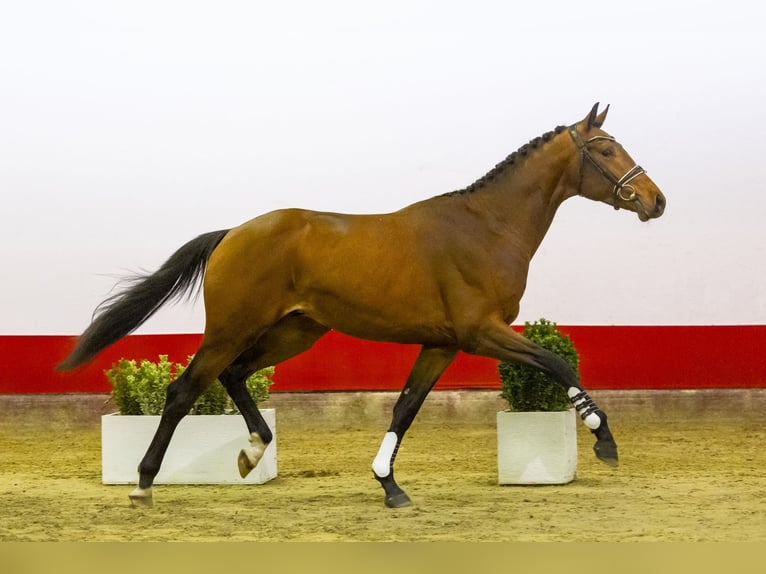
(620, 184)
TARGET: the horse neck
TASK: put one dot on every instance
(520, 205)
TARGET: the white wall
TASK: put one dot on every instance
(126, 128)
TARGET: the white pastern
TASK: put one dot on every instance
(381, 466)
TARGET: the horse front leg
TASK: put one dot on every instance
(501, 342)
(428, 367)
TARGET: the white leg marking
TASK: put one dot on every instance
(381, 466)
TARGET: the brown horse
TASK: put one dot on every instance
(446, 273)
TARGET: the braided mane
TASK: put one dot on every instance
(508, 162)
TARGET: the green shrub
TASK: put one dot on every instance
(258, 384)
(122, 376)
(151, 383)
(526, 388)
(141, 389)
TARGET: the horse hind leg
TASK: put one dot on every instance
(181, 395)
(291, 336)
(234, 380)
(428, 367)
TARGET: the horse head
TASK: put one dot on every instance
(607, 173)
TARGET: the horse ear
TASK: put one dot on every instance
(596, 120)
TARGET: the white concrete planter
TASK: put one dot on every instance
(536, 447)
(203, 450)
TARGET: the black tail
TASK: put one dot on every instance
(124, 312)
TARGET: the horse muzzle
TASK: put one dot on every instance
(647, 212)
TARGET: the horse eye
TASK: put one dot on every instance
(606, 152)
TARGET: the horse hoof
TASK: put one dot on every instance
(141, 498)
(607, 452)
(244, 463)
(400, 500)
(250, 456)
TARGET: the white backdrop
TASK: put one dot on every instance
(127, 128)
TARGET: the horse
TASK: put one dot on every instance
(446, 273)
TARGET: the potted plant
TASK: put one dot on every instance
(204, 447)
(537, 437)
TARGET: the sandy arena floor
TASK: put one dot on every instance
(693, 468)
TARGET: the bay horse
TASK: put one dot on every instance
(446, 273)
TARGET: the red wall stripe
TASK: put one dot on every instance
(612, 357)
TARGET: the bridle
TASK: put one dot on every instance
(620, 184)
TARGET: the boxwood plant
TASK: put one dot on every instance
(527, 389)
(140, 388)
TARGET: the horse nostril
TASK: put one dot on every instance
(659, 204)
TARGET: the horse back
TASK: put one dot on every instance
(370, 276)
